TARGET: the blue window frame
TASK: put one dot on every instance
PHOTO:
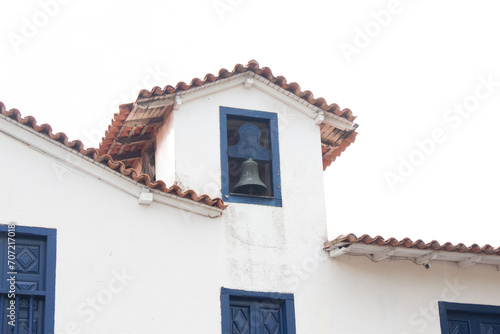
(248, 312)
(249, 140)
(469, 318)
(32, 252)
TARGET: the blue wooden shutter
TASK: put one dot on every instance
(30, 266)
(473, 321)
(249, 312)
(459, 327)
(489, 328)
(256, 317)
(240, 320)
(272, 322)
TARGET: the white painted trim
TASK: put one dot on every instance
(286, 97)
(145, 197)
(178, 102)
(470, 261)
(196, 92)
(187, 204)
(426, 258)
(382, 255)
(338, 122)
(70, 158)
(338, 252)
(156, 102)
(248, 82)
(320, 118)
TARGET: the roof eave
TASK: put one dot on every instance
(418, 256)
(41, 138)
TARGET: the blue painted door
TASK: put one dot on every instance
(256, 317)
(473, 323)
(23, 259)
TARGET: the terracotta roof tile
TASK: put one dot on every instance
(107, 160)
(265, 72)
(329, 154)
(418, 244)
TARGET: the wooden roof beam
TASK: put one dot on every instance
(128, 156)
(134, 139)
(144, 121)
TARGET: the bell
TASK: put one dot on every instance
(250, 182)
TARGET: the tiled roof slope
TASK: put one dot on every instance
(107, 160)
(118, 130)
(265, 72)
(418, 244)
(330, 153)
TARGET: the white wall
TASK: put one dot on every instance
(400, 297)
(180, 260)
(166, 156)
(100, 230)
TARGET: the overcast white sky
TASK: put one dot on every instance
(412, 71)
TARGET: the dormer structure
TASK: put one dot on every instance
(175, 133)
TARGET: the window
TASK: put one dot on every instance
(245, 312)
(469, 318)
(250, 156)
(28, 256)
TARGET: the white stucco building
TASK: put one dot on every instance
(158, 231)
